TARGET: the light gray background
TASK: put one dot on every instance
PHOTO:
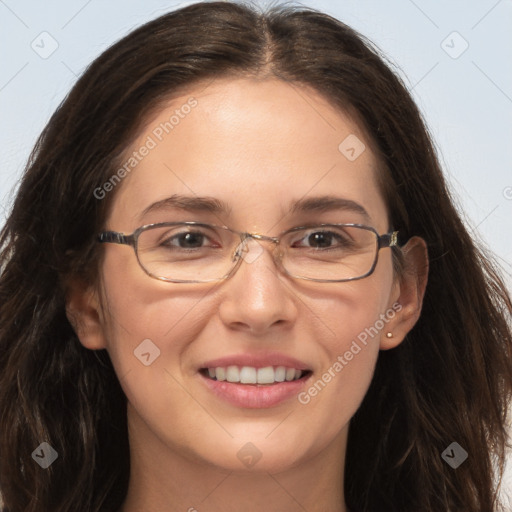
(466, 98)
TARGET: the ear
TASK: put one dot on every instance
(84, 314)
(409, 294)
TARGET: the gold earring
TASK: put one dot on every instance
(389, 335)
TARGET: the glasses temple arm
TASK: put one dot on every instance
(388, 240)
(115, 238)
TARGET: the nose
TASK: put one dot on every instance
(257, 297)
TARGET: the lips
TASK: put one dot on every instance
(255, 381)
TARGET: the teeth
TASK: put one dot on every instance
(248, 375)
(290, 374)
(265, 375)
(251, 375)
(280, 374)
(232, 374)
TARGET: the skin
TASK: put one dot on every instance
(258, 146)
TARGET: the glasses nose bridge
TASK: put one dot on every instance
(274, 239)
(245, 237)
(264, 238)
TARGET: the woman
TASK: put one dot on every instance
(233, 278)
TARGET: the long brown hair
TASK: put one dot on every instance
(450, 380)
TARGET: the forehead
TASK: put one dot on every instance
(257, 145)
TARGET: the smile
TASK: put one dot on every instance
(268, 375)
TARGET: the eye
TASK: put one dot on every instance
(324, 239)
(320, 239)
(187, 240)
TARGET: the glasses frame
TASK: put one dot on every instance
(382, 241)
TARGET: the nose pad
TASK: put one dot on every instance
(249, 250)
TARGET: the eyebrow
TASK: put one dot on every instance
(208, 204)
(189, 203)
(327, 204)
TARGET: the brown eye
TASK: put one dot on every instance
(189, 240)
(323, 239)
(320, 239)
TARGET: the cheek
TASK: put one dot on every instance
(143, 315)
(355, 313)
(150, 327)
(357, 318)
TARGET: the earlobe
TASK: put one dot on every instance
(84, 314)
(412, 286)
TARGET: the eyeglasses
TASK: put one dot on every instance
(193, 252)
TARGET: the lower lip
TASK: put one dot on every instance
(253, 396)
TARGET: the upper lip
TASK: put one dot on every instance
(257, 361)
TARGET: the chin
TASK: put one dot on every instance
(254, 454)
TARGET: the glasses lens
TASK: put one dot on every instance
(182, 252)
(333, 252)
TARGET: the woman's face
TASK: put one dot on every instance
(257, 147)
